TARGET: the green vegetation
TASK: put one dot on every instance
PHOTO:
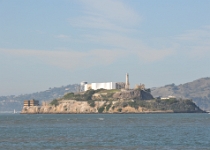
(68, 96)
(88, 94)
(108, 106)
(119, 110)
(113, 107)
(171, 100)
(133, 104)
(101, 109)
(103, 94)
(158, 100)
(124, 104)
(81, 96)
(109, 91)
(138, 103)
(92, 103)
(198, 91)
(54, 102)
(189, 102)
(176, 105)
(110, 95)
(100, 94)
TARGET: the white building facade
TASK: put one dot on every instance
(95, 86)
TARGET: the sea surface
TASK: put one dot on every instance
(105, 131)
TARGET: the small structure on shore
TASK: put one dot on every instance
(169, 97)
(31, 102)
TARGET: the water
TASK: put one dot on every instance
(105, 131)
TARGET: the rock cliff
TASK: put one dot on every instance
(133, 94)
(112, 101)
(118, 106)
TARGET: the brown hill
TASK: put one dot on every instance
(198, 91)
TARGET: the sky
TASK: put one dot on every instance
(53, 43)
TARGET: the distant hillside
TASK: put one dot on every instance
(9, 103)
(198, 91)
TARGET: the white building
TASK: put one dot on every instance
(95, 86)
(107, 85)
(169, 97)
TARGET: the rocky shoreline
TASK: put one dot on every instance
(84, 107)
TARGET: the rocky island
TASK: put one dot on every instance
(111, 97)
(113, 101)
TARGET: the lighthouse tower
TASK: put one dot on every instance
(127, 85)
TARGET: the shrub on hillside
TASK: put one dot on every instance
(108, 106)
(171, 100)
(136, 104)
(119, 110)
(88, 94)
(91, 103)
(54, 102)
(101, 109)
(69, 96)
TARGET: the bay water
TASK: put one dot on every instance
(105, 131)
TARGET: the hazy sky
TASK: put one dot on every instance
(50, 43)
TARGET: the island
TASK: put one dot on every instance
(110, 101)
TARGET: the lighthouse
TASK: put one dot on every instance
(127, 85)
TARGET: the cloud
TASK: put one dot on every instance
(153, 55)
(111, 39)
(196, 35)
(112, 24)
(67, 59)
(195, 43)
(132, 47)
(106, 15)
(97, 23)
(62, 36)
(74, 59)
(200, 52)
(111, 10)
